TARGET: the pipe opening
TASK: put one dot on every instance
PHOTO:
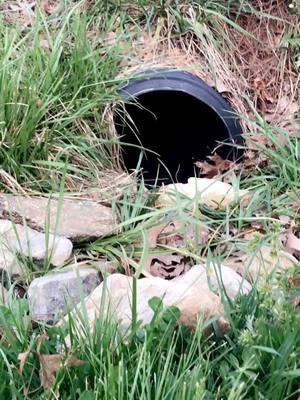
(177, 126)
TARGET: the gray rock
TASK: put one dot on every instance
(15, 238)
(51, 296)
(74, 219)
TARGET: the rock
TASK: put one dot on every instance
(51, 296)
(16, 238)
(259, 264)
(74, 219)
(195, 301)
(210, 192)
(3, 295)
(220, 278)
(9, 262)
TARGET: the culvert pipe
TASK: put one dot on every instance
(178, 119)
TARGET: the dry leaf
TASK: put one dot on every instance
(158, 270)
(172, 235)
(206, 169)
(168, 266)
(288, 111)
(292, 245)
(295, 281)
(51, 363)
(216, 168)
(74, 362)
(153, 242)
(22, 357)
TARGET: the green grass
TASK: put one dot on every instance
(56, 79)
(258, 359)
(54, 86)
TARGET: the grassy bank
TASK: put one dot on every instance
(59, 69)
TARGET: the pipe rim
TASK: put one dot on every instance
(164, 79)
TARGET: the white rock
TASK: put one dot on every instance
(194, 301)
(8, 260)
(15, 238)
(210, 192)
(51, 296)
(219, 278)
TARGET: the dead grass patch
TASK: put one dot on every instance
(248, 62)
(264, 59)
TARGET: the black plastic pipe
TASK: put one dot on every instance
(178, 119)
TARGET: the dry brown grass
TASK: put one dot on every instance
(251, 67)
(264, 59)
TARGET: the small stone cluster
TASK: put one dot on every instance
(41, 232)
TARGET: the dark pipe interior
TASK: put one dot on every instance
(177, 126)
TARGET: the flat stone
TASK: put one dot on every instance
(51, 296)
(15, 238)
(193, 298)
(74, 219)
